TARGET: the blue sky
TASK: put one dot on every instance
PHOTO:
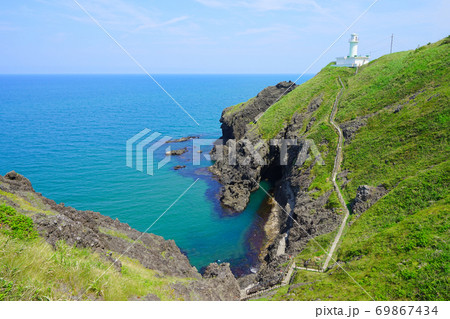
(206, 36)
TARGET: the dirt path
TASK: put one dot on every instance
(337, 165)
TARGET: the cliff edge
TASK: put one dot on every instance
(393, 114)
(120, 251)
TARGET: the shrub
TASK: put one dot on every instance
(16, 225)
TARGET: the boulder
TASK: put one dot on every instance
(177, 152)
(366, 196)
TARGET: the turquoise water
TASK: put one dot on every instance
(67, 134)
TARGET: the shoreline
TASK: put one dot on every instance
(255, 237)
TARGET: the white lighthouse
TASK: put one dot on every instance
(353, 60)
(353, 45)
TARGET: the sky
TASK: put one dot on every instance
(206, 36)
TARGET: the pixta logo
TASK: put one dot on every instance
(141, 151)
(146, 142)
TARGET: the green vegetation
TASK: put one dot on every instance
(315, 251)
(391, 78)
(235, 108)
(408, 261)
(333, 201)
(410, 196)
(16, 225)
(325, 84)
(326, 140)
(395, 145)
(34, 271)
(30, 206)
(30, 269)
(397, 249)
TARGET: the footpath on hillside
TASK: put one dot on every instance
(337, 164)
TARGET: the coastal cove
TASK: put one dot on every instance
(67, 134)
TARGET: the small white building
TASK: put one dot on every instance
(352, 60)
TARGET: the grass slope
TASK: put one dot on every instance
(394, 252)
(398, 249)
(326, 86)
(30, 269)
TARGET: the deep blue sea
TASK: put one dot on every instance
(68, 133)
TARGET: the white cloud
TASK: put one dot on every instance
(116, 14)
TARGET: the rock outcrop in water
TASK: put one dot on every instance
(104, 235)
(181, 151)
(183, 139)
(241, 179)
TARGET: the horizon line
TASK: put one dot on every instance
(155, 73)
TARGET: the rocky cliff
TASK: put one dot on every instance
(113, 240)
(297, 214)
(385, 127)
(238, 137)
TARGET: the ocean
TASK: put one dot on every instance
(68, 133)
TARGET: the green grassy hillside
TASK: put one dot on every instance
(324, 85)
(30, 269)
(398, 249)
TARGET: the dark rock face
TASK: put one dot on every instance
(218, 284)
(300, 217)
(270, 274)
(315, 104)
(18, 182)
(100, 233)
(243, 175)
(221, 273)
(366, 196)
(235, 196)
(349, 129)
(247, 281)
